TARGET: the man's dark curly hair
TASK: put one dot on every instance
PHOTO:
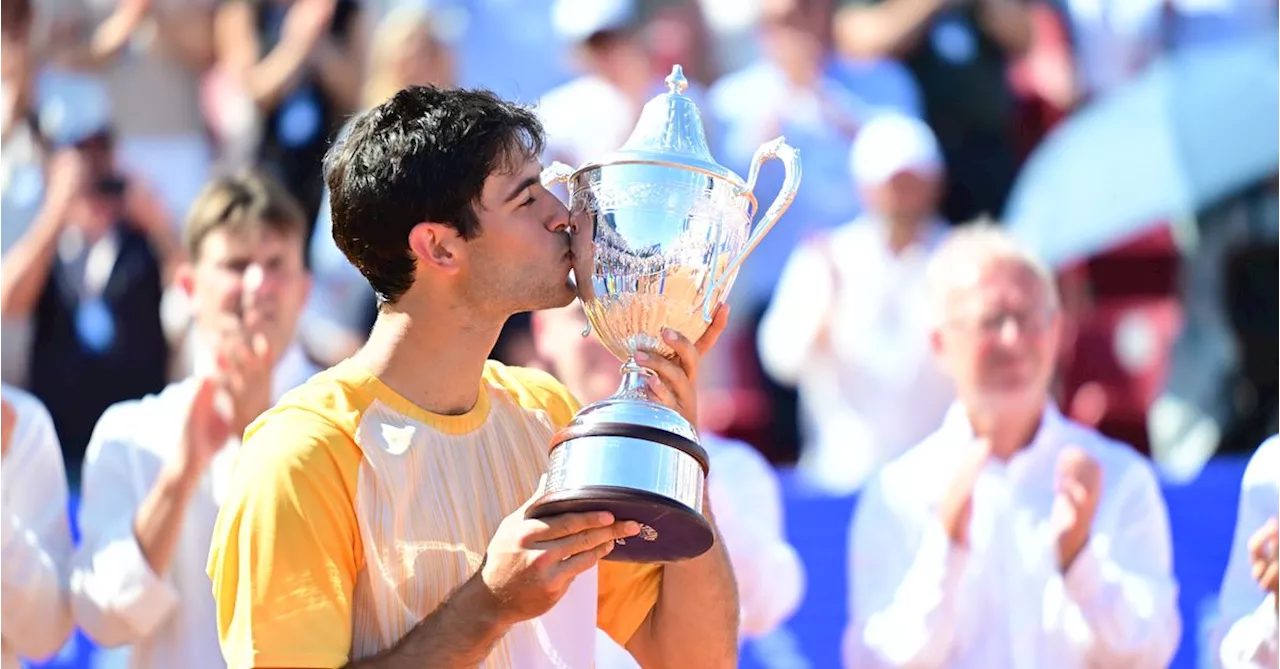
(423, 155)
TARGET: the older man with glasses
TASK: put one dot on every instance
(1011, 537)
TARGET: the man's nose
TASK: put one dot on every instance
(1011, 330)
(255, 278)
(559, 221)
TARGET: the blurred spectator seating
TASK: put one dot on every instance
(1116, 354)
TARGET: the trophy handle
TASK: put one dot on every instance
(790, 157)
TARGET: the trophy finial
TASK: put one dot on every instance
(676, 83)
(669, 131)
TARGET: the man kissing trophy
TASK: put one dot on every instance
(660, 230)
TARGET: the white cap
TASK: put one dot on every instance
(576, 20)
(71, 106)
(890, 144)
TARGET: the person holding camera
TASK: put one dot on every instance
(87, 279)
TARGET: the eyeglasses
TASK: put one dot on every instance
(1030, 321)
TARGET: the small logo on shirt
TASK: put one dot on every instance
(396, 439)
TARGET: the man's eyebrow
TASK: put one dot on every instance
(520, 188)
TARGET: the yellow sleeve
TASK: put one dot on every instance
(627, 593)
(285, 549)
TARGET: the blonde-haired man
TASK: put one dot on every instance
(1011, 537)
(156, 470)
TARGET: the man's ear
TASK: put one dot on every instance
(184, 278)
(939, 348)
(438, 245)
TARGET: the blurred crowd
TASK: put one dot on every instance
(134, 131)
(122, 111)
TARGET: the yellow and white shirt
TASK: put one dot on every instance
(353, 514)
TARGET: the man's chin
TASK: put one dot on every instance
(563, 298)
(552, 296)
(1014, 396)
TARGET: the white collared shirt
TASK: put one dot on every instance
(1245, 636)
(919, 601)
(747, 502)
(874, 389)
(169, 620)
(35, 538)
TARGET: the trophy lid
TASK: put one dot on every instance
(670, 132)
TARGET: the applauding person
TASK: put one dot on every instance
(1011, 537)
(156, 469)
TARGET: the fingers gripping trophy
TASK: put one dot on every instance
(659, 231)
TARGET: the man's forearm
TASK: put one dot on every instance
(187, 36)
(114, 33)
(459, 633)
(26, 266)
(158, 523)
(695, 622)
(340, 72)
(271, 79)
(886, 30)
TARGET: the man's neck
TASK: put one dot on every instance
(1007, 431)
(434, 360)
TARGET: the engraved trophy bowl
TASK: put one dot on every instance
(659, 230)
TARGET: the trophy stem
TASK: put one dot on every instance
(634, 384)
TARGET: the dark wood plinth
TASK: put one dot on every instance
(681, 532)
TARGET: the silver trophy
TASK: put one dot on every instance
(659, 232)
